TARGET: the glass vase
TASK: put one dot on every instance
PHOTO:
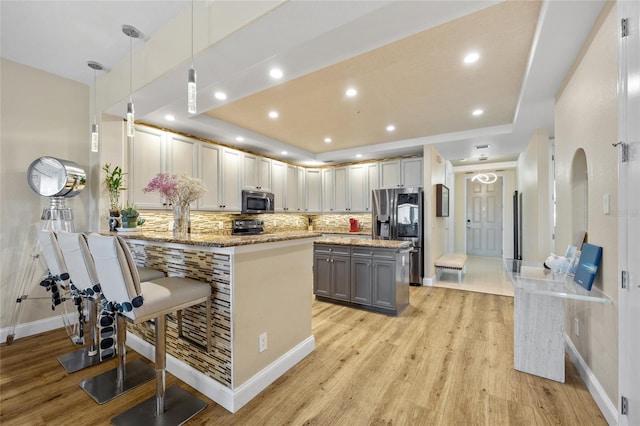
(181, 221)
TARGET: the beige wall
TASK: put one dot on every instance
(272, 293)
(534, 184)
(434, 227)
(42, 115)
(586, 117)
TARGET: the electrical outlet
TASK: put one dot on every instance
(220, 225)
(170, 227)
(275, 222)
(262, 342)
(577, 326)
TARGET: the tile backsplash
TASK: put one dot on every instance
(221, 223)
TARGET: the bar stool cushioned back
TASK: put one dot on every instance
(78, 259)
(53, 257)
(83, 274)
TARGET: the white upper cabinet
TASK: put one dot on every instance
(411, 169)
(314, 190)
(357, 188)
(401, 173)
(390, 174)
(278, 171)
(146, 159)
(256, 172)
(264, 174)
(327, 190)
(351, 191)
(182, 156)
(341, 190)
(231, 180)
(249, 171)
(372, 182)
(291, 189)
(208, 171)
(221, 171)
(183, 153)
(302, 190)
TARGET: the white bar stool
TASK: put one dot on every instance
(58, 269)
(137, 302)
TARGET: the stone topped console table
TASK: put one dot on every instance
(260, 286)
(538, 334)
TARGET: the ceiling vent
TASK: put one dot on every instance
(485, 146)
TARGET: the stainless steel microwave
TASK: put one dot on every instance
(257, 201)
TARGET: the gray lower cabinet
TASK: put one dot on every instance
(373, 278)
(331, 268)
(361, 280)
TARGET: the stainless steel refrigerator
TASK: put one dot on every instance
(397, 215)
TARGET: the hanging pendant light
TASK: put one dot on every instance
(95, 142)
(191, 77)
(131, 32)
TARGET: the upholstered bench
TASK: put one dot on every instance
(451, 262)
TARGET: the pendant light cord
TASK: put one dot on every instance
(192, 33)
(130, 68)
(94, 96)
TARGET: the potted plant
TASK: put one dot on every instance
(114, 184)
(130, 217)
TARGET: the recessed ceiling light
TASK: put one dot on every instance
(463, 160)
(327, 140)
(358, 155)
(276, 73)
(220, 96)
(477, 112)
(351, 92)
(471, 58)
(169, 117)
(273, 114)
(239, 139)
(284, 152)
(391, 128)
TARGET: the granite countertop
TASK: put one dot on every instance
(359, 242)
(208, 240)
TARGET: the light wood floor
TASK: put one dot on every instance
(484, 275)
(446, 361)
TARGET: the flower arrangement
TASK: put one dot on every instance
(177, 189)
(114, 183)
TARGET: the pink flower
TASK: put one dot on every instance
(177, 189)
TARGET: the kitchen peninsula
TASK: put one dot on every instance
(261, 309)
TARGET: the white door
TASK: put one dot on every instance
(629, 219)
(484, 218)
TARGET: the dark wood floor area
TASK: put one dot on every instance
(448, 360)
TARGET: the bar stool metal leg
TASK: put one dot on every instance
(113, 383)
(88, 355)
(173, 406)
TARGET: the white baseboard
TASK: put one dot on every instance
(30, 328)
(609, 409)
(231, 400)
